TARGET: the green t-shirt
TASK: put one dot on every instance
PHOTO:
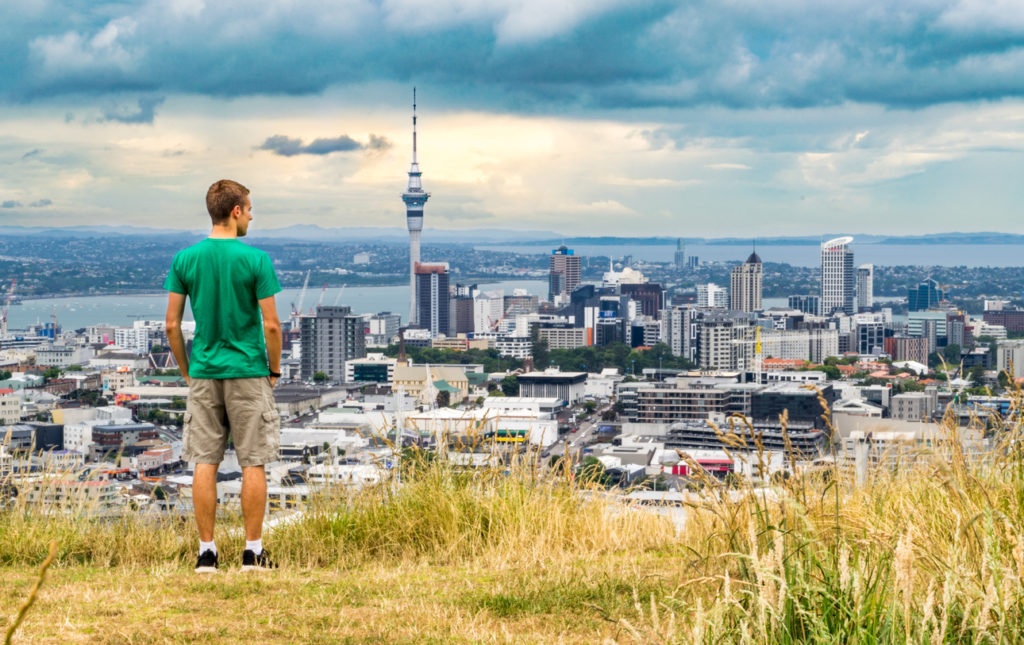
(224, 280)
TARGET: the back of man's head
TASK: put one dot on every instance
(222, 198)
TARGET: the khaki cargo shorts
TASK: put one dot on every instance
(242, 408)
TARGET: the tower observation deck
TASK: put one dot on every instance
(415, 198)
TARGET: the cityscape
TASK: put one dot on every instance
(670, 356)
(599, 322)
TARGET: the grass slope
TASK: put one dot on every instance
(924, 553)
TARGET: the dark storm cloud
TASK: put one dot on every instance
(519, 56)
(288, 147)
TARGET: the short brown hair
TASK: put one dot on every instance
(222, 198)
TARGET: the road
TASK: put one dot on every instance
(578, 440)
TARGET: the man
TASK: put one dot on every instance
(234, 366)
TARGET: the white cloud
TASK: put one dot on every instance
(75, 53)
(728, 166)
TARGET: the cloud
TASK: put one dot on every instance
(145, 113)
(728, 166)
(42, 203)
(528, 55)
(35, 152)
(286, 146)
(10, 203)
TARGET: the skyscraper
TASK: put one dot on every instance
(837, 277)
(745, 285)
(432, 297)
(564, 274)
(925, 295)
(865, 286)
(414, 198)
(680, 254)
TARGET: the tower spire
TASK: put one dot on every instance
(414, 125)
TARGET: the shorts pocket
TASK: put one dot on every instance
(271, 432)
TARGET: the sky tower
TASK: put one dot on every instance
(414, 198)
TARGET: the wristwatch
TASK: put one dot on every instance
(275, 374)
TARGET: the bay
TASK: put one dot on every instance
(83, 311)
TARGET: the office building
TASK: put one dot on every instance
(865, 286)
(806, 304)
(649, 296)
(329, 339)
(564, 273)
(926, 295)
(745, 285)
(838, 280)
(432, 297)
(414, 198)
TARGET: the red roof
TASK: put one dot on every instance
(6, 390)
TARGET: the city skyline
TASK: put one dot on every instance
(597, 117)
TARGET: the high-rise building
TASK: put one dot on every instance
(331, 337)
(925, 296)
(865, 286)
(432, 297)
(680, 254)
(745, 285)
(415, 198)
(564, 274)
(712, 295)
(837, 277)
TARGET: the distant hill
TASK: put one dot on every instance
(396, 235)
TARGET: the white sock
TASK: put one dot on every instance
(207, 546)
(256, 546)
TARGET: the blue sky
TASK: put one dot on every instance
(599, 117)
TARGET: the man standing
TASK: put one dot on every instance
(235, 362)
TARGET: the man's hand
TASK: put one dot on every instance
(273, 381)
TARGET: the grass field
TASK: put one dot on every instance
(924, 554)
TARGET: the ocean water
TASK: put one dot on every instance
(83, 311)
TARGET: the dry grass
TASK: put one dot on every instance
(926, 554)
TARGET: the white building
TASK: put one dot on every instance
(62, 355)
(838, 281)
(372, 368)
(712, 295)
(1010, 357)
(488, 310)
(133, 339)
(10, 410)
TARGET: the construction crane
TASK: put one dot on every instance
(340, 291)
(7, 306)
(757, 363)
(297, 310)
(321, 300)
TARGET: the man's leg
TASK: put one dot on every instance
(204, 499)
(254, 501)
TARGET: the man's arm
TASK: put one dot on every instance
(175, 310)
(272, 334)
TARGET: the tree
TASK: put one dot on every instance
(74, 368)
(320, 377)
(444, 398)
(52, 372)
(977, 375)
(510, 385)
(157, 349)
(159, 493)
(593, 471)
(4, 375)
(951, 354)
(590, 406)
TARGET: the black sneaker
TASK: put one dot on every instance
(207, 562)
(251, 561)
